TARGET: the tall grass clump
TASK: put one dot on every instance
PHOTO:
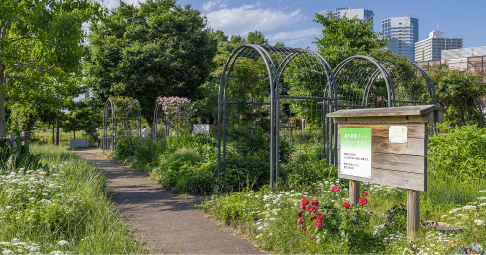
(62, 207)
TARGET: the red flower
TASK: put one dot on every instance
(305, 201)
(307, 207)
(346, 205)
(366, 193)
(299, 213)
(314, 209)
(315, 202)
(320, 216)
(312, 218)
(318, 223)
(335, 188)
(299, 220)
(363, 200)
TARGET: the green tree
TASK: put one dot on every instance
(156, 49)
(37, 37)
(459, 93)
(256, 38)
(83, 115)
(343, 38)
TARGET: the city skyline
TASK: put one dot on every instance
(291, 21)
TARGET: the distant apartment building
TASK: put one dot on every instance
(403, 32)
(432, 47)
(362, 14)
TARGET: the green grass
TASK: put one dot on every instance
(62, 207)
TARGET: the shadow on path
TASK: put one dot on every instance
(167, 223)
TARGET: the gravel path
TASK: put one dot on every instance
(167, 224)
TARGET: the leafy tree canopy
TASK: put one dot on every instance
(39, 39)
(343, 38)
(156, 49)
(459, 93)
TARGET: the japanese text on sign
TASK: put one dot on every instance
(355, 154)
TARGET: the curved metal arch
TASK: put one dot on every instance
(104, 140)
(270, 55)
(233, 57)
(380, 68)
(139, 116)
(430, 83)
(157, 111)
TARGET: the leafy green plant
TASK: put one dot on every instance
(458, 153)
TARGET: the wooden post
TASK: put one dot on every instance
(413, 213)
(26, 135)
(354, 192)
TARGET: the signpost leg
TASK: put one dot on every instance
(413, 213)
(354, 192)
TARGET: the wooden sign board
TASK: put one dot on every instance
(397, 151)
(402, 165)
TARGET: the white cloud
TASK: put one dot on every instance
(324, 12)
(249, 18)
(295, 36)
(223, 6)
(209, 5)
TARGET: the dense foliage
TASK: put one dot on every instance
(157, 48)
(40, 47)
(459, 93)
(346, 37)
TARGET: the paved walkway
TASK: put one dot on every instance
(167, 224)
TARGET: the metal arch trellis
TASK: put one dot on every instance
(120, 121)
(133, 120)
(268, 107)
(108, 136)
(364, 82)
(160, 120)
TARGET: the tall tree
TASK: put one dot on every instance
(256, 38)
(37, 37)
(343, 38)
(156, 49)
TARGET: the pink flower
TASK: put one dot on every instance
(307, 208)
(315, 202)
(366, 193)
(346, 205)
(314, 209)
(317, 223)
(335, 188)
(363, 200)
(302, 206)
(299, 213)
(299, 220)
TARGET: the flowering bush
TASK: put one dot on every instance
(177, 110)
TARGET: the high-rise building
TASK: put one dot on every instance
(403, 32)
(431, 48)
(362, 14)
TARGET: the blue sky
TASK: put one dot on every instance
(291, 21)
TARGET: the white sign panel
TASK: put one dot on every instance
(398, 134)
(355, 154)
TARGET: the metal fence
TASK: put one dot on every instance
(121, 119)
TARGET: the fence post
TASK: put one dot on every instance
(26, 135)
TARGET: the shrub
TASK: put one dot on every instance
(458, 153)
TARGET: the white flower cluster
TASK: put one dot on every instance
(31, 193)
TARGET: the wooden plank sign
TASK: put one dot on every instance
(386, 146)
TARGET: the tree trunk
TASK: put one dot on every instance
(53, 136)
(74, 132)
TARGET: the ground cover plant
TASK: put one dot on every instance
(59, 206)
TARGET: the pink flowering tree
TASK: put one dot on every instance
(177, 110)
